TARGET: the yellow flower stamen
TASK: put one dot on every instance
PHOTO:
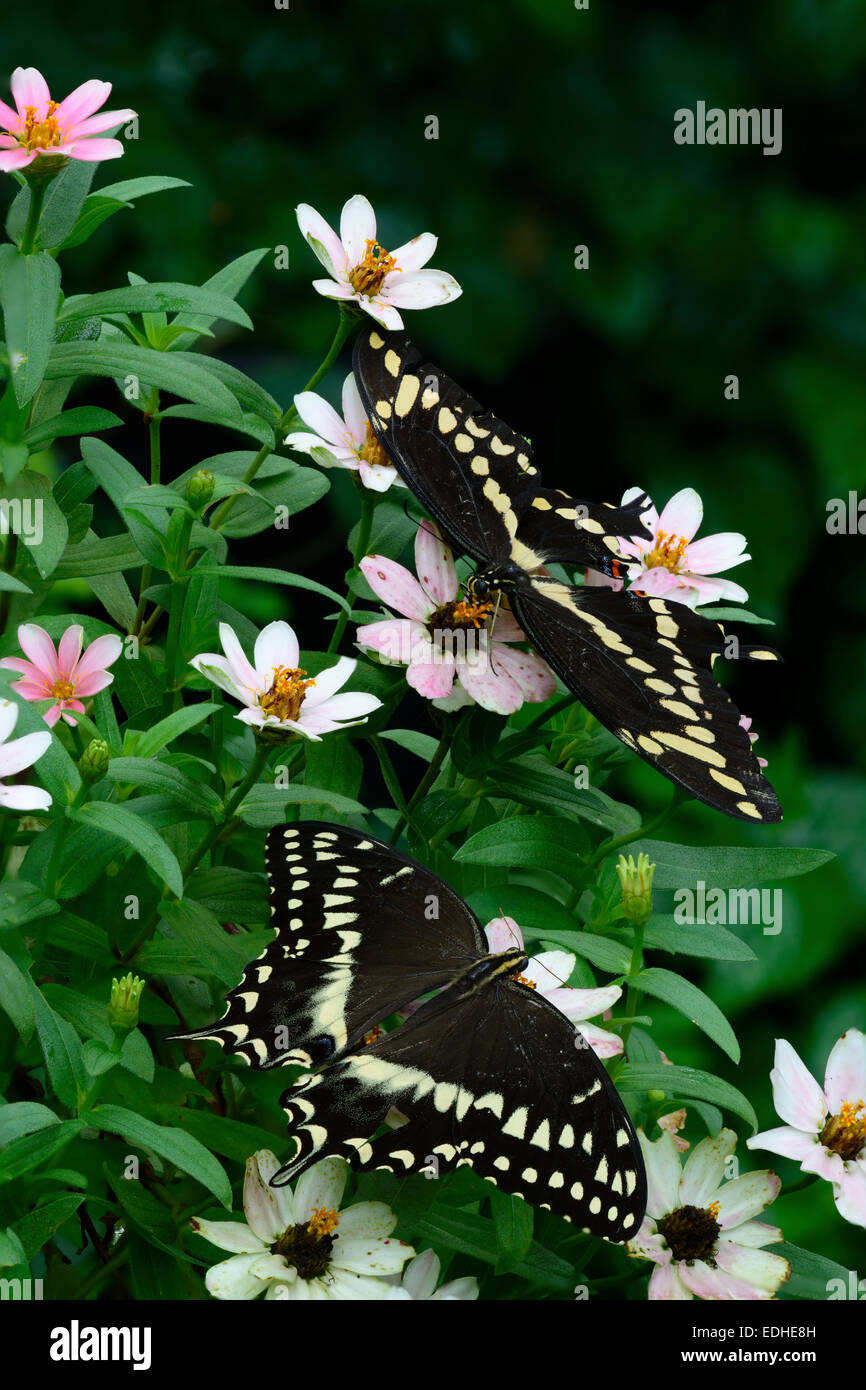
(63, 688)
(522, 980)
(371, 450)
(713, 1210)
(285, 695)
(44, 134)
(668, 552)
(845, 1133)
(367, 276)
(323, 1222)
(460, 614)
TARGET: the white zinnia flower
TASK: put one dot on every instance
(420, 1278)
(300, 1245)
(14, 757)
(362, 271)
(346, 439)
(273, 690)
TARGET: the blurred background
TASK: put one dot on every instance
(555, 130)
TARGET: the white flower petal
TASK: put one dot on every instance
(705, 1168)
(229, 1235)
(232, 1279)
(845, 1078)
(798, 1098)
(320, 1187)
(276, 645)
(662, 1161)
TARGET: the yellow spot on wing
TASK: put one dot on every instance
(392, 362)
(447, 420)
(406, 394)
(498, 447)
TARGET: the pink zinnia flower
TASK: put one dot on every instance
(39, 126)
(274, 691)
(548, 972)
(672, 564)
(62, 674)
(464, 650)
(14, 757)
(347, 440)
(699, 1231)
(824, 1130)
(363, 272)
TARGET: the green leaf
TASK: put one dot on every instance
(725, 866)
(8, 581)
(45, 537)
(22, 902)
(537, 783)
(233, 895)
(814, 1277)
(61, 1050)
(83, 419)
(15, 997)
(271, 576)
(265, 805)
(641, 1077)
(38, 1226)
(738, 615)
(422, 745)
(63, 203)
(200, 932)
(29, 289)
(161, 777)
(526, 842)
(178, 1148)
(249, 424)
(248, 394)
(474, 1236)
(154, 297)
(126, 190)
(710, 943)
(229, 1137)
(181, 374)
(607, 954)
(230, 280)
(24, 1117)
(687, 999)
(23, 1155)
(102, 204)
(167, 730)
(106, 555)
(513, 1223)
(133, 830)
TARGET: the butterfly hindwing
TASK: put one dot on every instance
(341, 960)
(473, 472)
(505, 1085)
(643, 667)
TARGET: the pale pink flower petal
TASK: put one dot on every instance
(755, 1234)
(354, 414)
(788, 1142)
(492, 690)
(705, 1168)
(230, 1235)
(797, 1096)
(395, 639)
(431, 673)
(657, 582)
(9, 120)
(29, 88)
(83, 102)
(503, 934)
(322, 239)
(383, 313)
(845, 1077)
(420, 290)
(711, 590)
(275, 646)
(663, 1171)
(506, 627)
(315, 411)
(716, 1284)
(91, 685)
(434, 564)
(715, 553)
(8, 720)
(221, 672)
(38, 646)
(533, 675)
(594, 579)
(397, 587)
(850, 1195)
(24, 798)
(666, 1284)
(31, 690)
(603, 1043)
(22, 752)
(759, 1269)
(683, 514)
(243, 674)
(415, 253)
(52, 716)
(377, 476)
(743, 1198)
(101, 654)
(328, 682)
(551, 969)
(92, 151)
(332, 290)
(94, 125)
(357, 227)
(15, 159)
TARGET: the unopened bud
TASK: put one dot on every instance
(199, 489)
(94, 760)
(123, 1004)
(637, 882)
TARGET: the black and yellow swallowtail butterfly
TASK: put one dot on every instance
(642, 666)
(487, 1072)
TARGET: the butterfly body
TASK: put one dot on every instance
(641, 665)
(487, 1072)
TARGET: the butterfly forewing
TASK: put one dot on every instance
(473, 472)
(341, 960)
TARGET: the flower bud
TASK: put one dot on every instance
(636, 880)
(123, 1004)
(94, 760)
(199, 489)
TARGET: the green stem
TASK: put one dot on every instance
(634, 994)
(53, 871)
(426, 781)
(618, 841)
(345, 325)
(799, 1185)
(37, 198)
(155, 473)
(365, 526)
(543, 715)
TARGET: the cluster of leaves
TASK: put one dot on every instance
(110, 1137)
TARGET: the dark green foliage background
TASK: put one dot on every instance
(556, 128)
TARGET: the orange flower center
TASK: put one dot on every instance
(283, 699)
(668, 552)
(323, 1222)
(845, 1133)
(41, 135)
(371, 450)
(367, 276)
(460, 614)
(522, 980)
(63, 688)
